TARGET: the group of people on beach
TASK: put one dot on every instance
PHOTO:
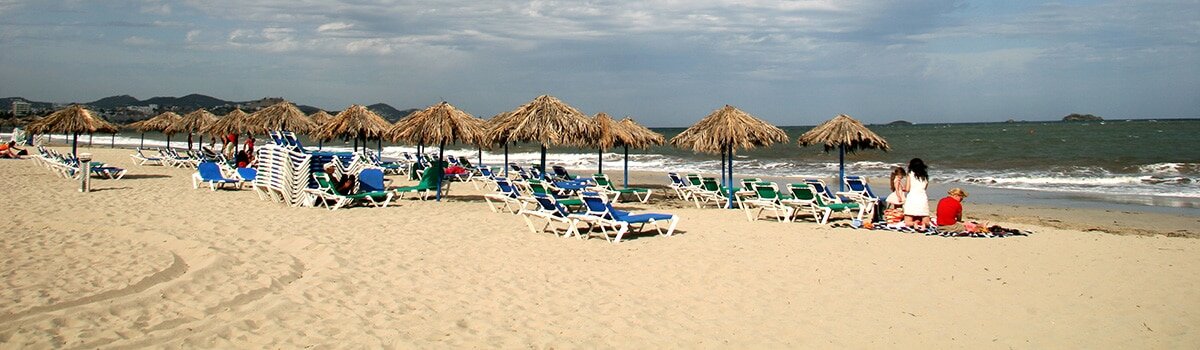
(908, 205)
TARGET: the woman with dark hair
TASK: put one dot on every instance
(916, 202)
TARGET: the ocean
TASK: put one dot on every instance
(1146, 162)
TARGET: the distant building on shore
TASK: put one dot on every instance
(21, 108)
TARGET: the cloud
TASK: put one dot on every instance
(334, 27)
(139, 41)
(193, 35)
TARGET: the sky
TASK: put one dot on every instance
(664, 63)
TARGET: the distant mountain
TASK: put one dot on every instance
(115, 101)
(189, 102)
(390, 113)
(900, 122)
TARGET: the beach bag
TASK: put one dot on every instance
(893, 215)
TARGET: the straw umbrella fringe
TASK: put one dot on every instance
(439, 124)
(357, 122)
(845, 134)
(72, 120)
(640, 137)
(157, 123)
(547, 121)
(609, 134)
(725, 130)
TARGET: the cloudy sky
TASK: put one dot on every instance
(666, 63)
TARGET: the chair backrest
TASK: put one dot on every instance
(675, 180)
(710, 184)
(371, 180)
(453, 160)
(820, 188)
(559, 170)
(804, 192)
(464, 162)
(430, 177)
(248, 174)
(602, 180)
(596, 204)
(748, 184)
(695, 180)
(486, 172)
(537, 187)
(324, 183)
(514, 167)
(506, 188)
(766, 190)
(210, 171)
(859, 184)
(546, 203)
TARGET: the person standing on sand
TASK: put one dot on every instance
(916, 203)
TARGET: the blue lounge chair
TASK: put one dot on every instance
(551, 211)
(209, 172)
(601, 214)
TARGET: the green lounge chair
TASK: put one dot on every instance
(807, 193)
(427, 186)
(327, 192)
(768, 197)
(538, 187)
(606, 187)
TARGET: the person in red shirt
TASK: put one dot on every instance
(949, 211)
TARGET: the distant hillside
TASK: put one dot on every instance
(6, 103)
(900, 122)
(390, 113)
(189, 102)
(115, 101)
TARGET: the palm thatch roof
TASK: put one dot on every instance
(440, 123)
(280, 116)
(320, 117)
(641, 137)
(192, 122)
(356, 122)
(158, 123)
(843, 131)
(71, 120)
(728, 126)
(234, 122)
(609, 132)
(545, 120)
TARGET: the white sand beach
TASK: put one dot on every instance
(148, 261)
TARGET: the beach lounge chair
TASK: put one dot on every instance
(210, 173)
(678, 185)
(140, 158)
(507, 197)
(328, 195)
(600, 213)
(427, 186)
(806, 190)
(485, 178)
(803, 199)
(561, 173)
(768, 198)
(551, 212)
(710, 192)
(606, 187)
(539, 187)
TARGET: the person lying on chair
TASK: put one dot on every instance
(344, 184)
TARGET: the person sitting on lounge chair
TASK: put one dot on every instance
(345, 183)
(10, 150)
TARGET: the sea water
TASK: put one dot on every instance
(1143, 162)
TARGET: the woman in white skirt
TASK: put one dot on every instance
(916, 201)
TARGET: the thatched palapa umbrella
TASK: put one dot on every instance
(439, 124)
(640, 137)
(725, 130)
(609, 134)
(320, 118)
(845, 134)
(193, 122)
(235, 122)
(157, 123)
(283, 116)
(355, 122)
(547, 121)
(72, 120)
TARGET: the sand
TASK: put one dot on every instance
(149, 262)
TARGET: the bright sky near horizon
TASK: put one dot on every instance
(666, 63)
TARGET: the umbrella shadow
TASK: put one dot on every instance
(110, 189)
(144, 176)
